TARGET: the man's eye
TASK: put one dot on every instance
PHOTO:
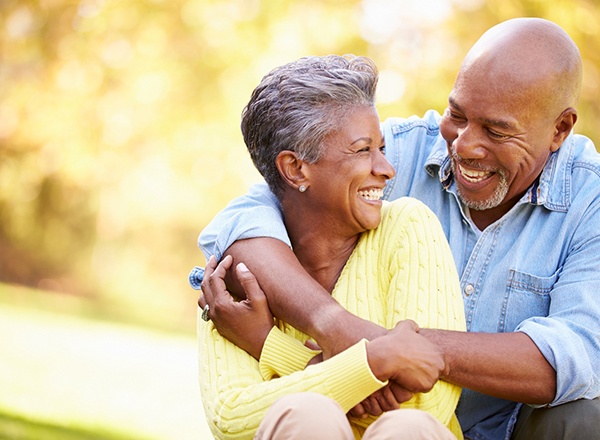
(495, 135)
(455, 116)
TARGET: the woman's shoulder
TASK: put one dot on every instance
(399, 217)
(404, 209)
(403, 221)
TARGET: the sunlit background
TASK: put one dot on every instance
(119, 140)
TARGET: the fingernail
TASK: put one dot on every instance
(242, 267)
(212, 259)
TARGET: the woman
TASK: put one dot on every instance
(312, 130)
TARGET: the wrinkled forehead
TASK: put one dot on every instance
(500, 98)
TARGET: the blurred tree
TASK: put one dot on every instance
(119, 121)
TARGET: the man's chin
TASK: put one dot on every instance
(481, 204)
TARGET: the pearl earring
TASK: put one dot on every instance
(301, 188)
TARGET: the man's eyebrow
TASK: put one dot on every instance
(498, 123)
(486, 121)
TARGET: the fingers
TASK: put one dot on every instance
(248, 281)
(386, 399)
(209, 269)
(372, 405)
(401, 394)
(358, 411)
(213, 284)
(381, 401)
(315, 360)
(312, 345)
(408, 324)
(206, 296)
(211, 263)
(222, 267)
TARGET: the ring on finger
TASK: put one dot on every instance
(205, 311)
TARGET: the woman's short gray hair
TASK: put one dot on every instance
(297, 105)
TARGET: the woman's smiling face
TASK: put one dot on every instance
(346, 183)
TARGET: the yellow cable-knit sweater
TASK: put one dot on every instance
(403, 269)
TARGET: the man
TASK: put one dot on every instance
(518, 196)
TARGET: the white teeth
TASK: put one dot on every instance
(473, 175)
(372, 194)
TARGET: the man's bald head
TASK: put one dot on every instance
(530, 53)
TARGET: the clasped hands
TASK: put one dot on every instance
(410, 362)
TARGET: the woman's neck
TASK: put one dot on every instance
(320, 248)
(324, 258)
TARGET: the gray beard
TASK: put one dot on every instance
(495, 200)
(481, 205)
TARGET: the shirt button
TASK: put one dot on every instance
(469, 289)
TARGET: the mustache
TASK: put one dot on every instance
(472, 163)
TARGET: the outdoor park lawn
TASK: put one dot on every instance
(20, 428)
(64, 376)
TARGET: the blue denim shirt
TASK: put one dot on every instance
(536, 270)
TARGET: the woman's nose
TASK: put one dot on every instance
(382, 166)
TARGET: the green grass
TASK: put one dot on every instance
(67, 375)
(20, 428)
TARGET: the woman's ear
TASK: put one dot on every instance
(292, 169)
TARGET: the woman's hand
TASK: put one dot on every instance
(407, 358)
(246, 323)
(410, 362)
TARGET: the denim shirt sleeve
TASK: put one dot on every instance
(256, 214)
(569, 336)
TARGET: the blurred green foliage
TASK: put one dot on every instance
(119, 120)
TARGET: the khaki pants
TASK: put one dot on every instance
(578, 420)
(314, 416)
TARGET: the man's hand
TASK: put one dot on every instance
(407, 358)
(246, 323)
(387, 398)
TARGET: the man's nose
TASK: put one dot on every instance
(468, 143)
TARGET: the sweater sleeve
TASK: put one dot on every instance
(282, 355)
(236, 398)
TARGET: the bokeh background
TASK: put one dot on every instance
(119, 141)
